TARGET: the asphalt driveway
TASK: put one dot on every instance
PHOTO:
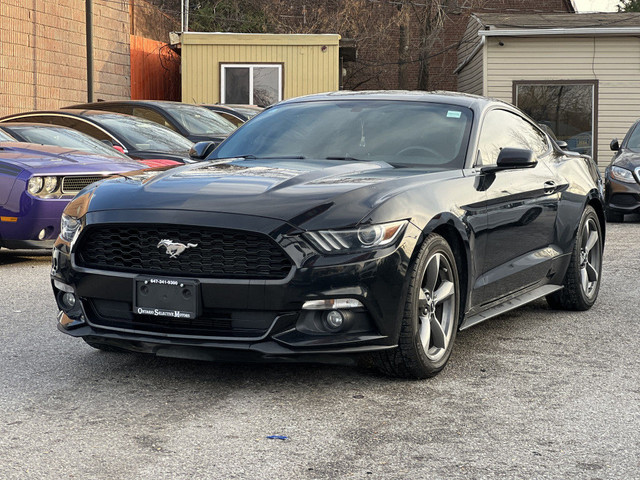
(534, 393)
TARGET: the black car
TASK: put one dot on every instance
(622, 176)
(138, 138)
(335, 225)
(191, 121)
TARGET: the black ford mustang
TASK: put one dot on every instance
(334, 225)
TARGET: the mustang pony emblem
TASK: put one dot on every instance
(174, 249)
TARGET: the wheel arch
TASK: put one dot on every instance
(453, 231)
(595, 202)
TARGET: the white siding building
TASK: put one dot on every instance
(578, 74)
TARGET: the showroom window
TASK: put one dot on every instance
(566, 110)
(251, 84)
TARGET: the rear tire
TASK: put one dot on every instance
(430, 319)
(582, 280)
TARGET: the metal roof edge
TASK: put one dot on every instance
(532, 32)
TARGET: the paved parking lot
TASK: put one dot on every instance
(531, 394)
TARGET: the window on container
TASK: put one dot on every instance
(251, 84)
(566, 111)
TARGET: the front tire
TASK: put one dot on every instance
(582, 280)
(430, 319)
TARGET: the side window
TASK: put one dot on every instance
(75, 123)
(87, 128)
(232, 118)
(505, 129)
(152, 115)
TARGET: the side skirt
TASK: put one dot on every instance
(510, 304)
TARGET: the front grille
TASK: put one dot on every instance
(220, 253)
(76, 183)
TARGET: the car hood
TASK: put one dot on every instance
(49, 159)
(627, 159)
(296, 191)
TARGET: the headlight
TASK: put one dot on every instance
(35, 185)
(622, 174)
(365, 237)
(69, 227)
(50, 184)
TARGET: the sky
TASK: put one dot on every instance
(596, 5)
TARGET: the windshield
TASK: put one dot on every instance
(143, 134)
(199, 120)
(634, 140)
(402, 133)
(65, 137)
(5, 138)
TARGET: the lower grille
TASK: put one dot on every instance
(625, 199)
(212, 322)
(207, 252)
(76, 183)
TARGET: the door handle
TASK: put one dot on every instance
(549, 187)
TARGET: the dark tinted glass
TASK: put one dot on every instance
(398, 132)
(236, 88)
(502, 129)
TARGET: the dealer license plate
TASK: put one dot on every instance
(165, 297)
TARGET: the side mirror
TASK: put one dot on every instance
(614, 145)
(119, 148)
(562, 144)
(511, 159)
(201, 150)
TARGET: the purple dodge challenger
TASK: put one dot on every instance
(37, 182)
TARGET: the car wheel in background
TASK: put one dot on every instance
(430, 319)
(582, 280)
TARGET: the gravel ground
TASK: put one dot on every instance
(534, 393)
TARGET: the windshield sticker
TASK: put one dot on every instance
(453, 114)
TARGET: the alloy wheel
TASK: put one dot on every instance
(436, 306)
(590, 258)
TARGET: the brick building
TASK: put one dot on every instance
(43, 62)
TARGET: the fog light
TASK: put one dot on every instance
(42, 235)
(334, 319)
(69, 300)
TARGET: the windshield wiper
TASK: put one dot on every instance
(350, 159)
(276, 157)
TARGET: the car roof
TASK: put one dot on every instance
(10, 125)
(158, 103)
(64, 111)
(453, 98)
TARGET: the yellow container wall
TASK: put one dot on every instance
(310, 63)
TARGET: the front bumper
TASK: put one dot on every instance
(35, 225)
(246, 319)
(622, 197)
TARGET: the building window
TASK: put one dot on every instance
(566, 110)
(251, 84)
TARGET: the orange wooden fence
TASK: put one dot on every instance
(155, 70)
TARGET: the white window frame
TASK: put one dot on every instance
(250, 66)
